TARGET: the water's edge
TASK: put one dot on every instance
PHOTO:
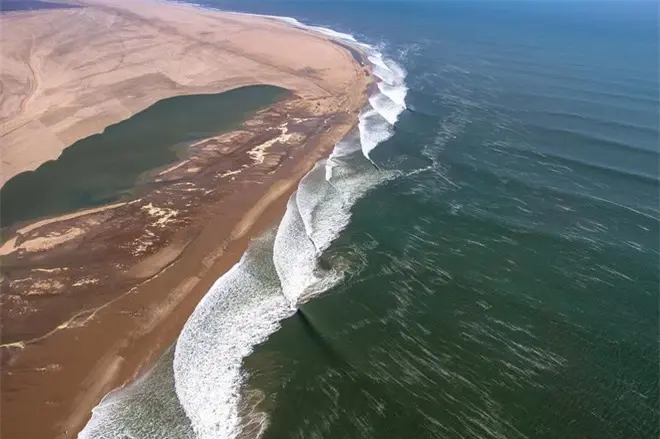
(197, 386)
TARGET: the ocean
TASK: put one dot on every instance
(479, 259)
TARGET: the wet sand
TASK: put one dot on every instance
(91, 299)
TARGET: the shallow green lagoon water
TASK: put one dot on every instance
(103, 168)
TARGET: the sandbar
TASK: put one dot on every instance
(91, 298)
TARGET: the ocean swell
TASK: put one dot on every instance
(241, 309)
(280, 270)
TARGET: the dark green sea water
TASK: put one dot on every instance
(102, 168)
(512, 290)
(495, 273)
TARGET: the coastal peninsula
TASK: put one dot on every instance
(92, 296)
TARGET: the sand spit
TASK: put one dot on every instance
(91, 298)
(69, 73)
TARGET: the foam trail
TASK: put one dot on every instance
(375, 124)
(241, 310)
(343, 148)
(334, 34)
(396, 93)
(204, 383)
(247, 303)
(323, 30)
(296, 259)
(128, 412)
(315, 192)
(385, 107)
(374, 130)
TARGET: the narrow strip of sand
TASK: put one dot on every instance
(112, 289)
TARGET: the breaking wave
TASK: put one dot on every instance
(242, 309)
(376, 122)
(280, 270)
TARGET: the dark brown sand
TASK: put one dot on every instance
(90, 300)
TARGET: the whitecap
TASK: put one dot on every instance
(280, 269)
(241, 309)
(374, 130)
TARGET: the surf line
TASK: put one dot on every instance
(376, 124)
(274, 279)
(246, 305)
(240, 310)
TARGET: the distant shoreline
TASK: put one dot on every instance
(98, 295)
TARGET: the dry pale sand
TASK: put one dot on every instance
(68, 73)
(10, 245)
(86, 312)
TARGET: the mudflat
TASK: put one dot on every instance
(91, 297)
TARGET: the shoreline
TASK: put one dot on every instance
(122, 91)
(53, 379)
(125, 160)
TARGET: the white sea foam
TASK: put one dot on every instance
(325, 196)
(128, 412)
(381, 69)
(390, 100)
(385, 107)
(246, 305)
(295, 258)
(242, 309)
(333, 34)
(320, 206)
(396, 93)
(323, 30)
(279, 271)
(374, 130)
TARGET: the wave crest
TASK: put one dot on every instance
(247, 304)
(279, 271)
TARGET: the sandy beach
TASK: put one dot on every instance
(90, 299)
